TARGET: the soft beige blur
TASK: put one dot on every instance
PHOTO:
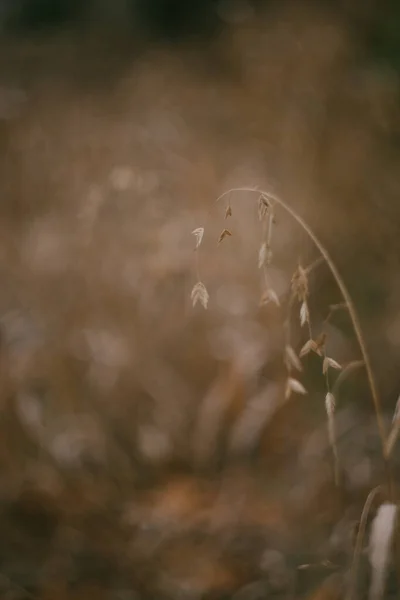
(111, 380)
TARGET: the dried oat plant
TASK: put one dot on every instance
(299, 293)
(384, 524)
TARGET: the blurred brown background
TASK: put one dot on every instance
(144, 450)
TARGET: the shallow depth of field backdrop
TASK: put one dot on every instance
(144, 448)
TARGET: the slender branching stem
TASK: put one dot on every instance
(346, 296)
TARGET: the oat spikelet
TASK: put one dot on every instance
(268, 296)
(380, 542)
(228, 211)
(309, 346)
(224, 234)
(316, 346)
(198, 233)
(263, 206)
(300, 284)
(304, 314)
(200, 294)
(264, 255)
(292, 361)
(330, 363)
(294, 386)
(330, 405)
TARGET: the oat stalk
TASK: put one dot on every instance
(351, 591)
(347, 298)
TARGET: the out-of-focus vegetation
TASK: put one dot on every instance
(146, 447)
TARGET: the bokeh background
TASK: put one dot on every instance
(145, 447)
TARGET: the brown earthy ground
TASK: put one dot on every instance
(143, 449)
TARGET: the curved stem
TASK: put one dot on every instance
(359, 543)
(346, 297)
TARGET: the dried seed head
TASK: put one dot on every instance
(228, 211)
(329, 362)
(198, 233)
(330, 404)
(309, 346)
(304, 313)
(264, 206)
(264, 255)
(294, 386)
(200, 294)
(269, 296)
(300, 283)
(223, 235)
(292, 361)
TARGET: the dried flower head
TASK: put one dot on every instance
(269, 295)
(317, 346)
(264, 255)
(294, 386)
(200, 294)
(330, 404)
(304, 313)
(300, 284)
(198, 233)
(330, 363)
(264, 205)
(309, 346)
(292, 361)
(225, 233)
